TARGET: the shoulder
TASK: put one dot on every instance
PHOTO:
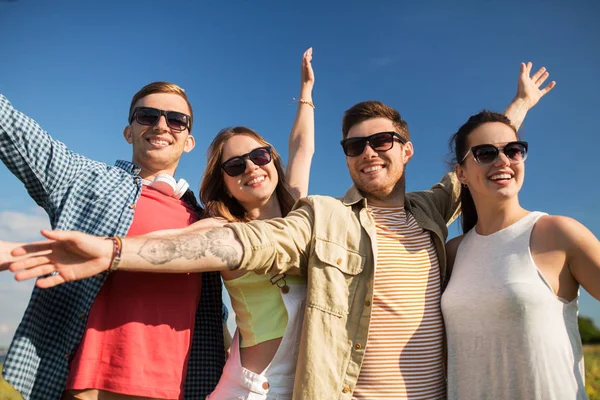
(452, 244)
(559, 228)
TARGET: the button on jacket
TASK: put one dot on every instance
(333, 243)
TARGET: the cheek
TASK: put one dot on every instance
(232, 184)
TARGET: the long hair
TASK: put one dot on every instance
(458, 147)
(213, 193)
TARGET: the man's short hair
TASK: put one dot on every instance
(373, 109)
(161, 87)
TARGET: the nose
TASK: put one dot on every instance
(502, 160)
(369, 152)
(250, 166)
(161, 124)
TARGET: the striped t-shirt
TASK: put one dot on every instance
(404, 356)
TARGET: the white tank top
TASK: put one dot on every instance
(509, 336)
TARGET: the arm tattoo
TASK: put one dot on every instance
(192, 247)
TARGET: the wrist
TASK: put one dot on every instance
(114, 254)
(522, 102)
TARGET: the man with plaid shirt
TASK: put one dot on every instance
(114, 336)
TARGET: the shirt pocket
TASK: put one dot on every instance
(336, 272)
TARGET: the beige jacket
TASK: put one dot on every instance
(332, 242)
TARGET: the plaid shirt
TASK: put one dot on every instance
(99, 199)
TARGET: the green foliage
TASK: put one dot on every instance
(588, 331)
(591, 355)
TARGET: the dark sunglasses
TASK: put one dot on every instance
(488, 153)
(237, 165)
(382, 141)
(149, 116)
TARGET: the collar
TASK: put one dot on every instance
(353, 196)
(128, 166)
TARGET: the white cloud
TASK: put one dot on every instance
(22, 227)
(18, 227)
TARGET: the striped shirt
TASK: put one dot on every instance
(404, 353)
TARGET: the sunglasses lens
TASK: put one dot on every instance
(354, 147)
(382, 141)
(260, 156)
(235, 166)
(177, 121)
(515, 152)
(485, 154)
(147, 116)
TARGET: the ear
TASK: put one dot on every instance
(409, 151)
(128, 134)
(190, 143)
(461, 174)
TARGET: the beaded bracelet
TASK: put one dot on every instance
(309, 103)
(116, 256)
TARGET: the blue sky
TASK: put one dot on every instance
(73, 66)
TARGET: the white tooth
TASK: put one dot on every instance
(500, 176)
(374, 168)
(256, 180)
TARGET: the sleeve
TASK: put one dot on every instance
(33, 156)
(279, 245)
(444, 196)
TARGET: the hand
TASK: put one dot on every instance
(307, 75)
(528, 88)
(5, 257)
(72, 255)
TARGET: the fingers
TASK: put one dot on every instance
(529, 65)
(540, 76)
(50, 281)
(29, 263)
(34, 272)
(32, 248)
(548, 88)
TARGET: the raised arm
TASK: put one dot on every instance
(302, 136)
(529, 92)
(36, 159)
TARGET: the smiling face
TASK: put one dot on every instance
(158, 148)
(499, 180)
(256, 185)
(379, 175)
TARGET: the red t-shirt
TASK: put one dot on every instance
(140, 326)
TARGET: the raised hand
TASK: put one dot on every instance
(68, 256)
(529, 87)
(307, 75)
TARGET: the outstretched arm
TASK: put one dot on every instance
(302, 136)
(74, 255)
(529, 92)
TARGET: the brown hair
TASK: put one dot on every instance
(161, 87)
(458, 147)
(373, 109)
(213, 193)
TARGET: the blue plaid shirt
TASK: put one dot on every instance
(99, 199)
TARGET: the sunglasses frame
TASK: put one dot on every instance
(474, 149)
(134, 114)
(243, 157)
(368, 140)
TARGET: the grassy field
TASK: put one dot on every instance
(592, 371)
(592, 376)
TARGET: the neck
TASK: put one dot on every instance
(395, 198)
(267, 210)
(493, 216)
(149, 172)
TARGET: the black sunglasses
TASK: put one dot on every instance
(237, 165)
(382, 141)
(149, 116)
(488, 153)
